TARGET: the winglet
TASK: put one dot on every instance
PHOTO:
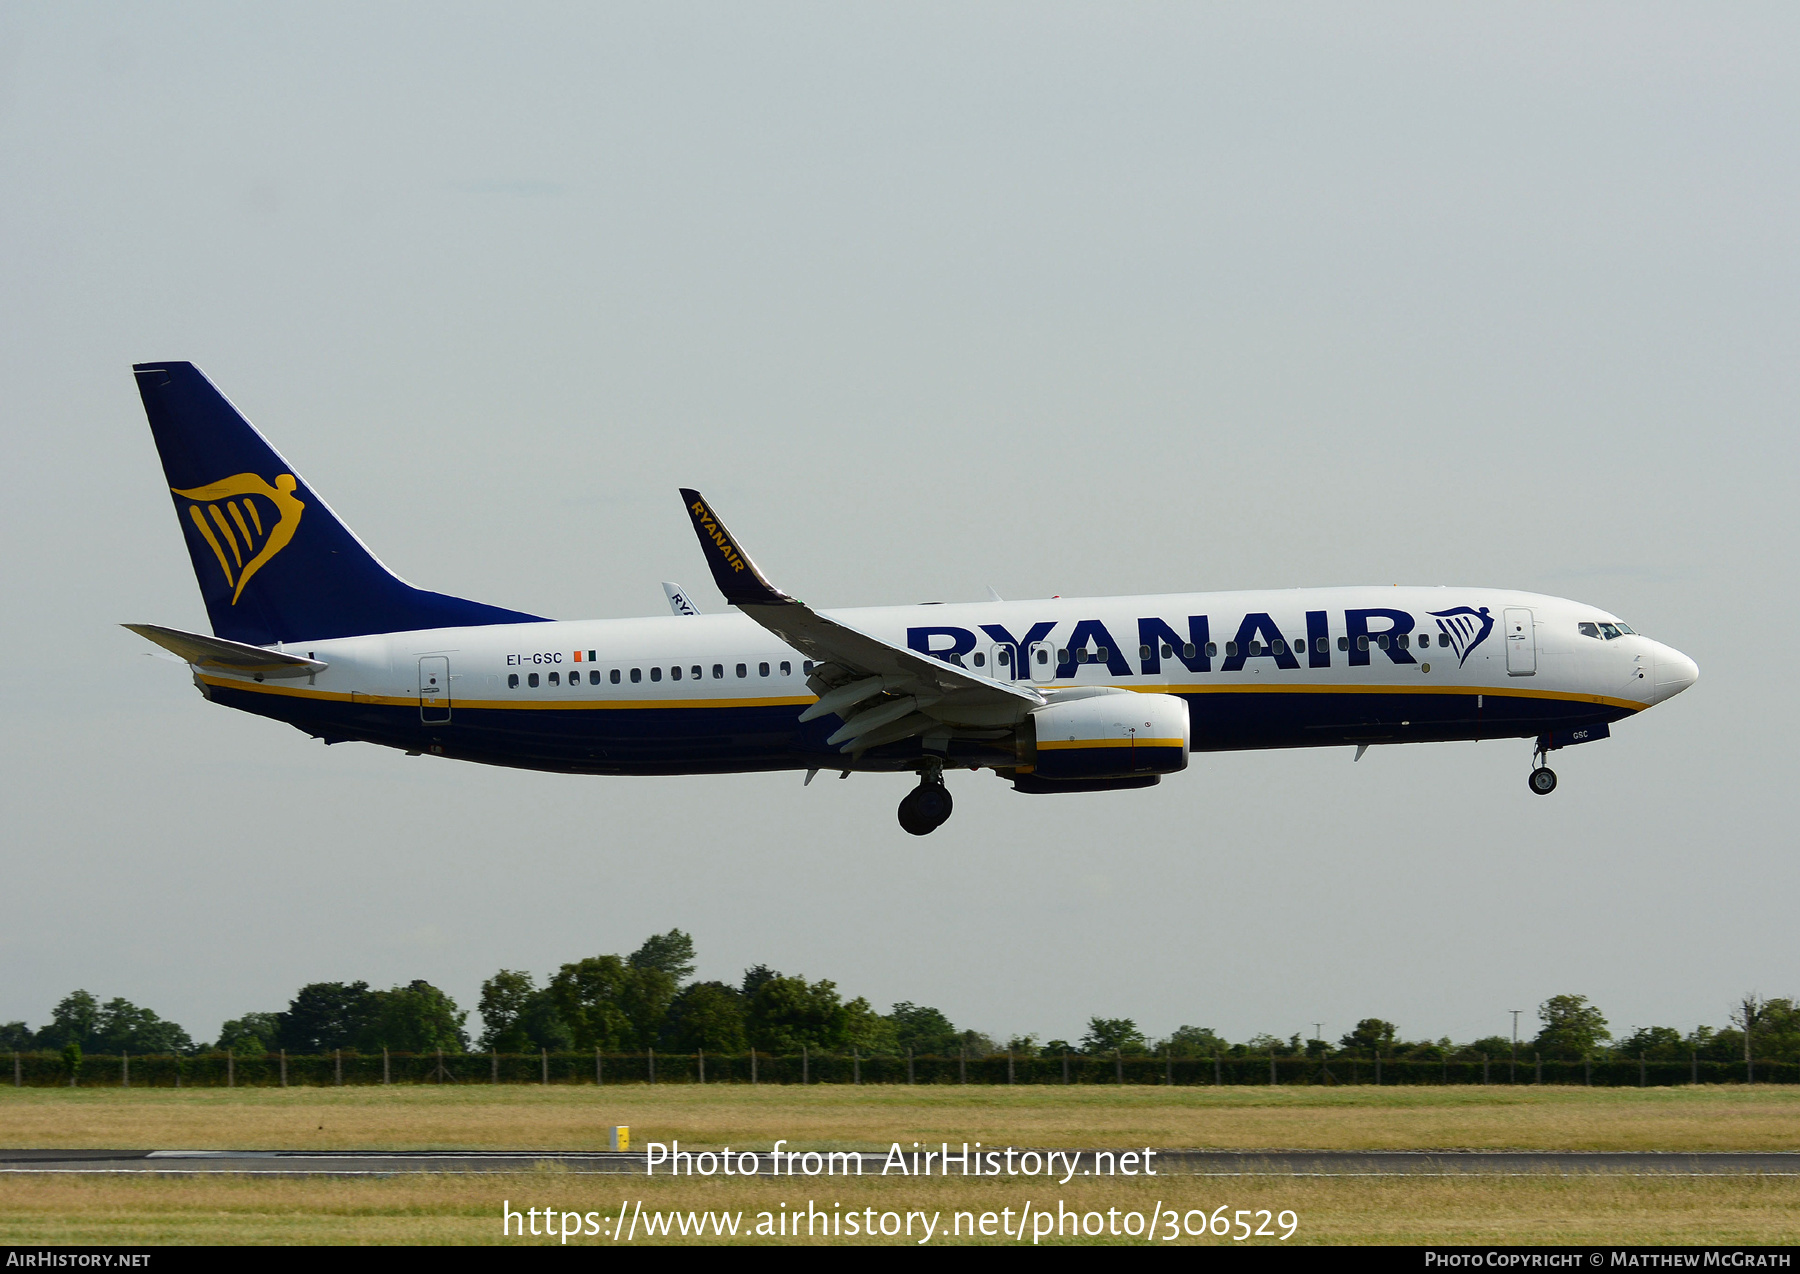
(732, 570)
(679, 601)
(853, 658)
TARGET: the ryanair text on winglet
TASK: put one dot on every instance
(711, 527)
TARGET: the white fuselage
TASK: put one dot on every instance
(712, 693)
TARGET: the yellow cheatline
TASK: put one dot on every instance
(589, 705)
(411, 700)
(1515, 692)
(593, 704)
(1053, 744)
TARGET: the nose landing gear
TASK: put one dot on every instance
(927, 807)
(1543, 778)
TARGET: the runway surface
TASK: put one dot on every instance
(1275, 1163)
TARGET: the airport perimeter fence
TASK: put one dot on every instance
(221, 1070)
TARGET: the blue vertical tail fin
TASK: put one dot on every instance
(274, 562)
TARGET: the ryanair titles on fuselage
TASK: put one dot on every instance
(1366, 633)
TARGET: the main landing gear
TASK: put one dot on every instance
(1543, 778)
(927, 807)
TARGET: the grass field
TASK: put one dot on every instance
(454, 1208)
(460, 1208)
(511, 1117)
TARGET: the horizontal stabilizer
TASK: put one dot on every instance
(228, 656)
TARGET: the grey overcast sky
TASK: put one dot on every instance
(1066, 299)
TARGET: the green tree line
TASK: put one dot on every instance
(651, 1000)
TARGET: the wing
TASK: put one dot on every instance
(884, 692)
(228, 656)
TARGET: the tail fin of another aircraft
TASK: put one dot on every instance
(274, 562)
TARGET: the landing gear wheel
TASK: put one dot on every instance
(926, 808)
(1543, 780)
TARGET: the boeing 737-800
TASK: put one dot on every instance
(1071, 694)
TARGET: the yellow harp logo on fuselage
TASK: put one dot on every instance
(241, 512)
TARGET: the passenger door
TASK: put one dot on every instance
(434, 689)
(1521, 642)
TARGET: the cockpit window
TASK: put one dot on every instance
(1589, 630)
(1627, 629)
(1609, 631)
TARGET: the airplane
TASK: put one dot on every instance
(1069, 694)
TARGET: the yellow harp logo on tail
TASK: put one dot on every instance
(240, 513)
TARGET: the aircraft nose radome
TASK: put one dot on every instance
(1675, 672)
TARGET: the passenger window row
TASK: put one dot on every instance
(693, 672)
(1097, 654)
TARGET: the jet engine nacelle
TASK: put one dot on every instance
(1111, 735)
